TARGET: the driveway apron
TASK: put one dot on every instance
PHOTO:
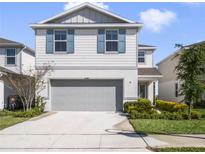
(73, 131)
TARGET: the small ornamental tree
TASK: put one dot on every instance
(189, 71)
(26, 85)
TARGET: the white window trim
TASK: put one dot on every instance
(111, 52)
(141, 57)
(10, 56)
(54, 41)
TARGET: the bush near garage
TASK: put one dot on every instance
(34, 111)
(171, 106)
(140, 105)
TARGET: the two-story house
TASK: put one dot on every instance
(169, 85)
(15, 57)
(95, 56)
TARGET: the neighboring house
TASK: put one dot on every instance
(14, 57)
(94, 55)
(169, 85)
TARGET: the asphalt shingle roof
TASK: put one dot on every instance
(9, 43)
(148, 71)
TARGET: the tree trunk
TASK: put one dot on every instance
(190, 108)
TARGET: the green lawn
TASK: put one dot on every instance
(180, 149)
(201, 110)
(159, 126)
(6, 121)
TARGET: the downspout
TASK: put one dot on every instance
(21, 72)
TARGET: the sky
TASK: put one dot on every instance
(165, 24)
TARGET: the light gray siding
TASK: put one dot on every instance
(86, 95)
(85, 52)
(87, 15)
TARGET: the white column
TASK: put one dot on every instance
(150, 91)
(1, 94)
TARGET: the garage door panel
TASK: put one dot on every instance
(92, 95)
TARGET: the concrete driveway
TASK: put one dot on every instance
(73, 131)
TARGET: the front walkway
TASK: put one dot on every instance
(74, 131)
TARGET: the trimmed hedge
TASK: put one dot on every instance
(140, 105)
(165, 115)
(171, 106)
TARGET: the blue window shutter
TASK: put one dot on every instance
(70, 41)
(101, 41)
(49, 41)
(122, 41)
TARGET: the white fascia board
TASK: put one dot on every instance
(86, 5)
(34, 26)
(147, 48)
(150, 76)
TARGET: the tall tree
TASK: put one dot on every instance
(190, 69)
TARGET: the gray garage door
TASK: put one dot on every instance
(86, 95)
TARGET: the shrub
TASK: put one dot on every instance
(171, 106)
(195, 115)
(172, 115)
(140, 105)
(164, 115)
(28, 114)
(200, 104)
(40, 103)
(5, 113)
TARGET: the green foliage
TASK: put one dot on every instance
(189, 71)
(158, 126)
(164, 115)
(199, 104)
(35, 111)
(140, 105)
(179, 149)
(195, 115)
(6, 121)
(171, 106)
(40, 103)
(26, 114)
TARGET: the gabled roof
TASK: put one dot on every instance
(89, 5)
(5, 43)
(178, 51)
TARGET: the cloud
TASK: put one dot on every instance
(155, 19)
(73, 4)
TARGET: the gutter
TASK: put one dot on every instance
(131, 25)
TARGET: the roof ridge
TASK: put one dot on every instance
(102, 10)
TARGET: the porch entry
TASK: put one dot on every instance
(142, 90)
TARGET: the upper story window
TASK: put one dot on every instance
(10, 56)
(141, 57)
(60, 41)
(111, 41)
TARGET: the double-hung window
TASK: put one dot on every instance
(141, 57)
(111, 41)
(10, 56)
(60, 41)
